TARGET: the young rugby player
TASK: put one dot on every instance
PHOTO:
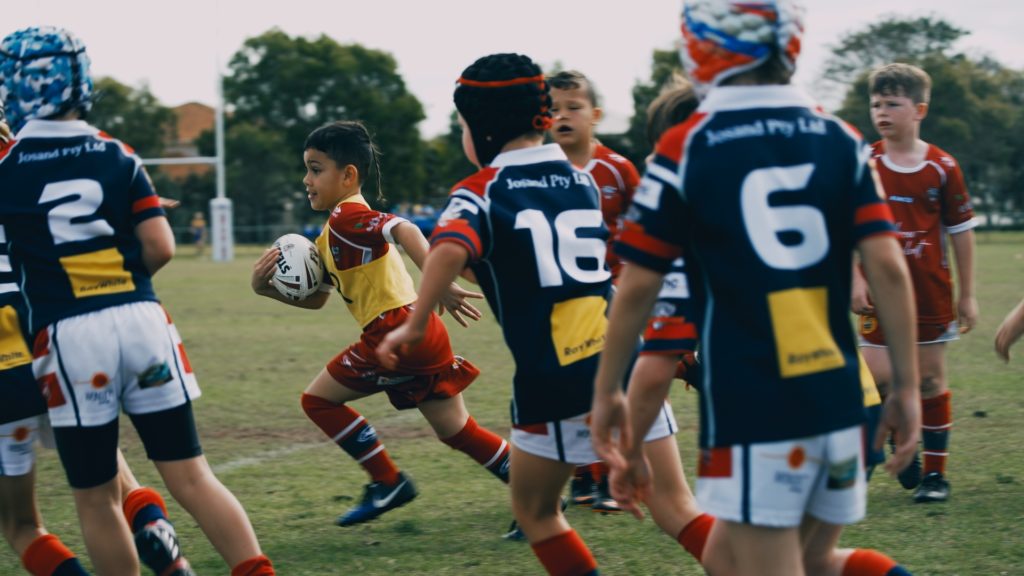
(357, 246)
(768, 198)
(86, 231)
(550, 303)
(575, 112)
(926, 193)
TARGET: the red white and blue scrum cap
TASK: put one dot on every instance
(723, 38)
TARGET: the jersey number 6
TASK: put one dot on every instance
(765, 222)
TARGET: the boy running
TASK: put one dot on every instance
(358, 247)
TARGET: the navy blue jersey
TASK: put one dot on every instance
(533, 227)
(19, 394)
(767, 197)
(71, 199)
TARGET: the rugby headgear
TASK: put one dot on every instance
(45, 73)
(502, 97)
(723, 38)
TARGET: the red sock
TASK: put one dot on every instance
(694, 535)
(354, 435)
(487, 448)
(599, 470)
(867, 562)
(936, 422)
(45, 554)
(565, 555)
(258, 566)
(137, 501)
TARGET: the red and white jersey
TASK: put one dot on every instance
(927, 202)
(617, 179)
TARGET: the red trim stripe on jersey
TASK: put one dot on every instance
(873, 213)
(501, 83)
(633, 235)
(147, 203)
(5, 149)
(673, 328)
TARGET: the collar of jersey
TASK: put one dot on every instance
(745, 97)
(56, 129)
(531, 155)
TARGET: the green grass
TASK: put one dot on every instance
(254, 356)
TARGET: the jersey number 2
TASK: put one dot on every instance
(571, 248)
(75, 220)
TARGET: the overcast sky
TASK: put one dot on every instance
(173, 45)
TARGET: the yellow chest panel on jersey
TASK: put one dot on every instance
(13, 349)
(369, 289)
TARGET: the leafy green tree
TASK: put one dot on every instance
(974, 105)
(280, 88)
(634, 145)
(132, 115)
(894, 39)
(445, 163)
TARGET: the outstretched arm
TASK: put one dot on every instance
(408, 235)
(442, 265)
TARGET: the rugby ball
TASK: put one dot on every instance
(299, 272)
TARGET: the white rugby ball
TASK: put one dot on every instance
(299, 272)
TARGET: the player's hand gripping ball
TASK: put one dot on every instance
(298, 273)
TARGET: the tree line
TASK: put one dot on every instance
(279, 88)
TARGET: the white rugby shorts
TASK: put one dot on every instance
(569, 440)
(128, 356)
(17, 453)
(775, 484)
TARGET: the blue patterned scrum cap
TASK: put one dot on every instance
(45, 73)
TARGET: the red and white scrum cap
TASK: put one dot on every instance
(722, 38)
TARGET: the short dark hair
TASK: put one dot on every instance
(572, 80)
(674, 104)
(901, 80)
(347, 142)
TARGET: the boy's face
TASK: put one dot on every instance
(467, 143)
(896, 116)
(574, 116)
(326, 184)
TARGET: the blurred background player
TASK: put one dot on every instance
(198, 228)
(87, 232)
(550, 304)
(575, 112)
(926, 193)
(780, 392)
(356, 246)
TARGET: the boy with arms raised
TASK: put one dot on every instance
(768, 198)
(926, 193)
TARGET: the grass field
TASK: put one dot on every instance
(254, 356)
